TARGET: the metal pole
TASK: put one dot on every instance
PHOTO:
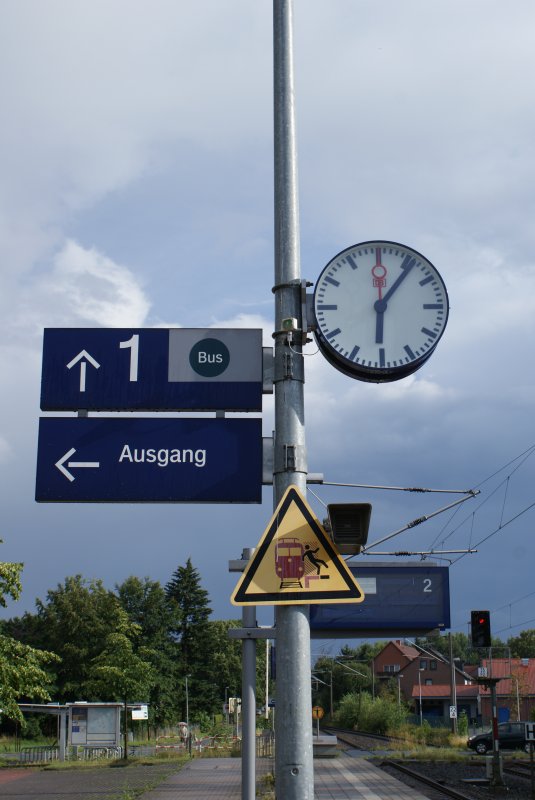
(294, 773)
(248, 720)
(420, 687)
(187, 704)
(453, 686)
(496, 777)
(266, 707)
(331, 710)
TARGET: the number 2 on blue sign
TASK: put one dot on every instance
(427, 585)
(133, 345)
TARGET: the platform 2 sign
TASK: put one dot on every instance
(155, 460)
(151, 369)
(401, 600)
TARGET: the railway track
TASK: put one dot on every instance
(519, 768)
(460, 780)
(362, 740)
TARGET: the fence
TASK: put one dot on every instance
(265, 745)
(37, 755)
(45, 754)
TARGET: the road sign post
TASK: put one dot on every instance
(294, 772)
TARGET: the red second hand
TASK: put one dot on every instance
(379, 273)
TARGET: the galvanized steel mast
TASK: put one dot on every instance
(294, 774)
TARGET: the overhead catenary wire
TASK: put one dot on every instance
(419, 520)
(399, 488)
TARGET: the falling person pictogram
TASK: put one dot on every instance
(316, 562)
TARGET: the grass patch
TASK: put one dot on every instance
(266, 787)
(173, 760)
(423, 753)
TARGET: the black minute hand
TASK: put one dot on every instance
(380, 306)
(408, 264)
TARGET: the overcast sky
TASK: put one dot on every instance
(136, 190)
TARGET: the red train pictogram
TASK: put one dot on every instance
(289, 562)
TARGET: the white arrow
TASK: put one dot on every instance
(84, 358)
(73, 464)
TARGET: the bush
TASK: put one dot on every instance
(377, 715)
(462, 724)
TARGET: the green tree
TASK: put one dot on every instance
(23, 669)
(224, 660)
(118, 673)
(189, 604)
(75, 622)
(523, 645)
(147, 606)
(348, 676)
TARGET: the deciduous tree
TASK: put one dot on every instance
(23, 669)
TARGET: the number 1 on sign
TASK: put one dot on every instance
(133, 344)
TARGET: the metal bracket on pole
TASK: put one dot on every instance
(268, 370)
(309, 316)
(291, 458)
(268, 467)
(290, 368)
(252, 633)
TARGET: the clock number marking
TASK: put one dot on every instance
(409, 352)
(327, 308)
(354, 352)
(332, 281)
(332, 334)
(352, 263)
(381, 356)
(427, 332)
(133, 345)
(427, 280)
(434, 306)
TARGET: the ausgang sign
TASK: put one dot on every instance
(152, 369)
(140, 459)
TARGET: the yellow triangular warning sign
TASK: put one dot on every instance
(295, 562)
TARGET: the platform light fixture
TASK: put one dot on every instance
(348, 525)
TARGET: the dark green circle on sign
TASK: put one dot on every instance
(209, 358)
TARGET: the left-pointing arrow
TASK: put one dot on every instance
(84, 358)
(72, 464)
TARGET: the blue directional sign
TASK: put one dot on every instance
(410, 599)
(149, 460)
(152, 369)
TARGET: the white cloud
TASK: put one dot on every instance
(84, 288)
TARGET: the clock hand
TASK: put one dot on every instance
(379, 325)
(408, 264)
(381, 305)
(379, 273)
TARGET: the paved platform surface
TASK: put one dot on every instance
(30, 783)
(342, 778)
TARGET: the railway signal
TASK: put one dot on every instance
(480, 628)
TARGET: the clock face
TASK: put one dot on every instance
(380, 310)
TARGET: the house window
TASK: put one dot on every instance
(429, 681)
(432, 664)
(391, 668)
(423, 663)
